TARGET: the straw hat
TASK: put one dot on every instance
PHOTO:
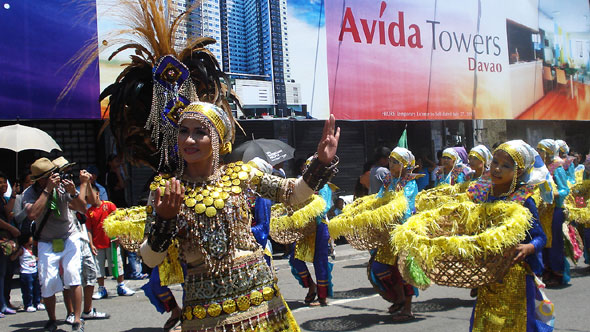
(62, 163)
(42, 168)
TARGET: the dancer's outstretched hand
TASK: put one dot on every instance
(168, 203)
(329, 142)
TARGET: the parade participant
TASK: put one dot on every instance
(384, 273)
(452, 171)
(379, 170)
(552, 219)
(568, 161)
(480, 158)
(510, 305)
(215, 238)
(261, 215)
(315, 248)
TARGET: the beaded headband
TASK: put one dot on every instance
(217, 117)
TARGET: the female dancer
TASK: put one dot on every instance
(228, 283)
(452, 171)
(556, 265)
(510, 305)
(316, 253)
(383, 271)
(480, 158)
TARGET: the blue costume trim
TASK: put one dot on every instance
(152, 288)
(262, 220)
(571, 173)
(560, 178)
(555, 256)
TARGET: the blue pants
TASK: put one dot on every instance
(133, 266)
(30, 288)
(586, 240)
(555, 256)
(320, 264)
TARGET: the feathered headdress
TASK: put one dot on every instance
(151, 92)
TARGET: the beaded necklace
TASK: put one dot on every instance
(211, 211)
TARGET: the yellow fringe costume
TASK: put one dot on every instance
(465, 230)
(367, 221)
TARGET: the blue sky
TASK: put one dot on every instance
(306, 10)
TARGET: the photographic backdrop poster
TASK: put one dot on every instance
(37, 39)
(418, 59)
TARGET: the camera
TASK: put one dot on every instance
(66, 176)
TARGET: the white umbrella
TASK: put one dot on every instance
(18, 138)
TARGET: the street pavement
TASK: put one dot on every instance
(354, 307)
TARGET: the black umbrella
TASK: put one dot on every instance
(273, 151)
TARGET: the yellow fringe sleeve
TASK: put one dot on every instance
(288, 225)
(463, 229)
(128, 222)
(443, 194)
(366, 222)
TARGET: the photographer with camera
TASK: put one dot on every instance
(49, 202)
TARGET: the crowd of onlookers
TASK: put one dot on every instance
(51, 237)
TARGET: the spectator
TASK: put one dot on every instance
(93, 170)
(89, 265)
(115, 181)
(8, 245)
(29, 279)
(18, 211)
(49, 202)
(379, 170)
(101, 246)
(424, 180)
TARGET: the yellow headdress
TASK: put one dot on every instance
(404, 156)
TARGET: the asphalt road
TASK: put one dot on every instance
(354, 307)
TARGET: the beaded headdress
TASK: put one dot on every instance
(548, 146)
(527, 159)
(482, 153)
(562, 145)
(404, 156)
(452, 154)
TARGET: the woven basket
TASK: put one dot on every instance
(464, 245)
(291, 236)
(578, 203)
(365, 238)
(367, 222)
(436, 197)
(470, 273)
(289, 231)
(129, 244)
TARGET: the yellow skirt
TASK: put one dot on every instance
(502, 307)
